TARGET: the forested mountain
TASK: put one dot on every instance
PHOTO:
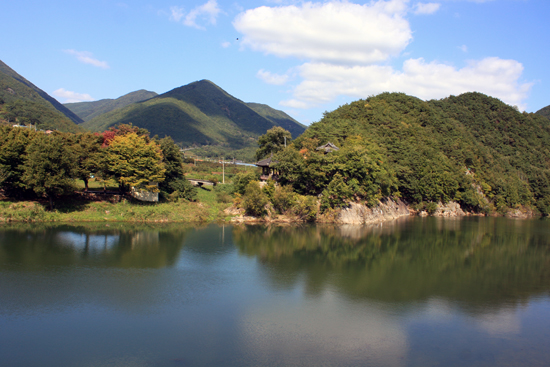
(20, 98)
(544, 111)
(200, 113)
(88, 110)
(472, 148)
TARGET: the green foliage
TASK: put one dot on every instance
(242, 179)
(305, 207)
(200, 113)
(273, 141)
(224, 193)
(337, 193)
(426, 152)
(30, 101)
(283, 199)
(13, 144)
(49, 166)
(134, 162)
(88, 155)
(269, 189)
(254, 200)
(88, 110)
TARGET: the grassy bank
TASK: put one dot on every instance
(73, 209)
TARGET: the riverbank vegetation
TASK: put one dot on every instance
(472, 149)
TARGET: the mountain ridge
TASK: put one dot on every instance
(200, 113)
(5, 69)
(88, 110)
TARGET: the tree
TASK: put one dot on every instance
(175, 182)
(88, 155)
(13, 144)
(49, 166)
(272, 141)
(134, 162)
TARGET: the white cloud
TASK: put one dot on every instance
(86, 58)
(270, 78)
(226, 44)
(426, 8)
(336, 31)
(207, 12)
(347, 48)
(322, 82)
(176, 13)
(463, 48)
(70, 97)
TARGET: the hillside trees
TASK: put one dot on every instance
(273, 141)
(472, 149)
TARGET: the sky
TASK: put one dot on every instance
(302, 57)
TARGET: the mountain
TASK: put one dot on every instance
(34, 102)
(279, 118)
(88, 110)
(200, 113)
(544, 111)
(471, 148)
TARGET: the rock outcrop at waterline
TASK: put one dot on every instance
(361, 214)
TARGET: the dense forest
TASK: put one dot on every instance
(472, 149)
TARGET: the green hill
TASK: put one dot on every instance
(472, 148)
(544, 111)
(21, 99)
(88, 110)
(203, 114)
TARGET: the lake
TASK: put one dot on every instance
(414, 292)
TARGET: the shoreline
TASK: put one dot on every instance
(208, 212)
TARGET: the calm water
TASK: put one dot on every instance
(417, 292)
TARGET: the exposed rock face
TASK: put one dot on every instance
(520, 213)
(361, 214)
(451, 209)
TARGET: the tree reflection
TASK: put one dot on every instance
(475, 261)
(120, 245)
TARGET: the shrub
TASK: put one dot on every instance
(242, 180)
(305, 207)
(283, 199)
(254, 200)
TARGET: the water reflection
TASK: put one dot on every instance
(474, 263)
(119, 246)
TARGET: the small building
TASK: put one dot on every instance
(328, 147)
(268, 171)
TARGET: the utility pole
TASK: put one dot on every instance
(223, 171)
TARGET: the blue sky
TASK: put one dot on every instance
(301, 57)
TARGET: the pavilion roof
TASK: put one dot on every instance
(328, 147)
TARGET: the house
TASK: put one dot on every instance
(267, 168)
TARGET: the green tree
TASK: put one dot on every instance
(88, 155)
(273, 141)
(49, 167)
(134, 162)
(175, 184)
(13, 144)
(254, 199)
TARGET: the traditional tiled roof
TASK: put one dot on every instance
(266, 162)
(328, 147)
